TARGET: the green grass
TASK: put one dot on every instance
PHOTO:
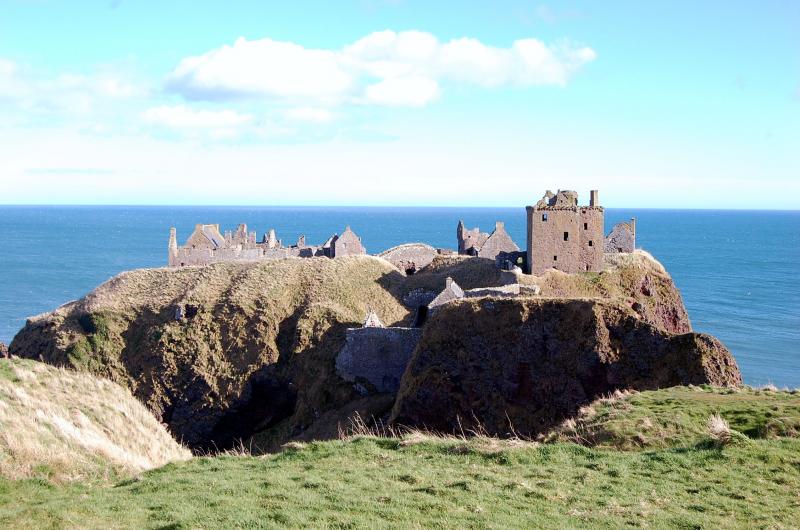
(677, 417)
(668, 474)
(373, 482)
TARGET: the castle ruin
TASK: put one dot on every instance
(208, 245)
(563, 235)
(497, 246)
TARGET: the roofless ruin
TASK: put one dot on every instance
(561, 235)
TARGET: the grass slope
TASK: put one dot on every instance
(59, 425)
(423, 481)
(678, 417)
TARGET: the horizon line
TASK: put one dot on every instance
(355, 206)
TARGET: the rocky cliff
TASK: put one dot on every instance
(523, 365)
(223, 351)
(247, 350)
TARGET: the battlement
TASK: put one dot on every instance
(565, 200)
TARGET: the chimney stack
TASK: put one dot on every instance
(594, 200)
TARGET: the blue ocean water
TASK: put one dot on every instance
(737, 270)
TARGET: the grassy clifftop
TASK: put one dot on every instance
(62, 425)
(423, 481)
(254, 350)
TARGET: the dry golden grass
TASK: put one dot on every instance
(473, 440)
(68, 426)
(719, 430)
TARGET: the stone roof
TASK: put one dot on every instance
(211, 232)
(451, 292)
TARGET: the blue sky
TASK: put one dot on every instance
(657, 104)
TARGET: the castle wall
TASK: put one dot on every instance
(622, 238)
(591, 239)
(347, 244)
(378, 356)
(410, 257)
(564, 236)
(498, 242)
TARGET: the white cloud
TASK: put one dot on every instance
(183, 117)
(385, 67)
(263, 66)
(412, 91)
(309, 114)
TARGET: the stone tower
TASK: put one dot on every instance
(172, 256)
(563, 235)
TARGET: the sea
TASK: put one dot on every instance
(737, 270)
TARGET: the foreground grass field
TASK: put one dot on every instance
(371, 482)
(683, 475)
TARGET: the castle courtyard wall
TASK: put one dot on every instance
(378, 356)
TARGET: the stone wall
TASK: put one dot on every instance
(564, 236)
(499, 242)
(410, 257)
(377, 356)
(347, 244)
(622, 238)
(206, 245)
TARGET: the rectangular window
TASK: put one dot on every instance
(544, 217)
(590, 242)
(586, 226)
(566, 236)
(555, 258)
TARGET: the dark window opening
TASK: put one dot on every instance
(544, 217)
(566, 236)
(421, 316)
(587, 268)
(555, 258)
(586, 226)
(590, 243)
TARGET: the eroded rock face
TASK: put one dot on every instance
(3, 350)
(219, 353)
(523, 365)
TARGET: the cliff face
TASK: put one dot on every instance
(634, 280)
(523, 365)
(253, 349)
(248, 350)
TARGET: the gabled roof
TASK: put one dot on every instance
(211, 232)
(451, 292)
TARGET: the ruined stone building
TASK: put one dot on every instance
(207, 245)
(563, 235)
(473, 242)
(622, 238)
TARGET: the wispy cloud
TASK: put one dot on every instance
(68, 92)
(383, 68)
(216, 123)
